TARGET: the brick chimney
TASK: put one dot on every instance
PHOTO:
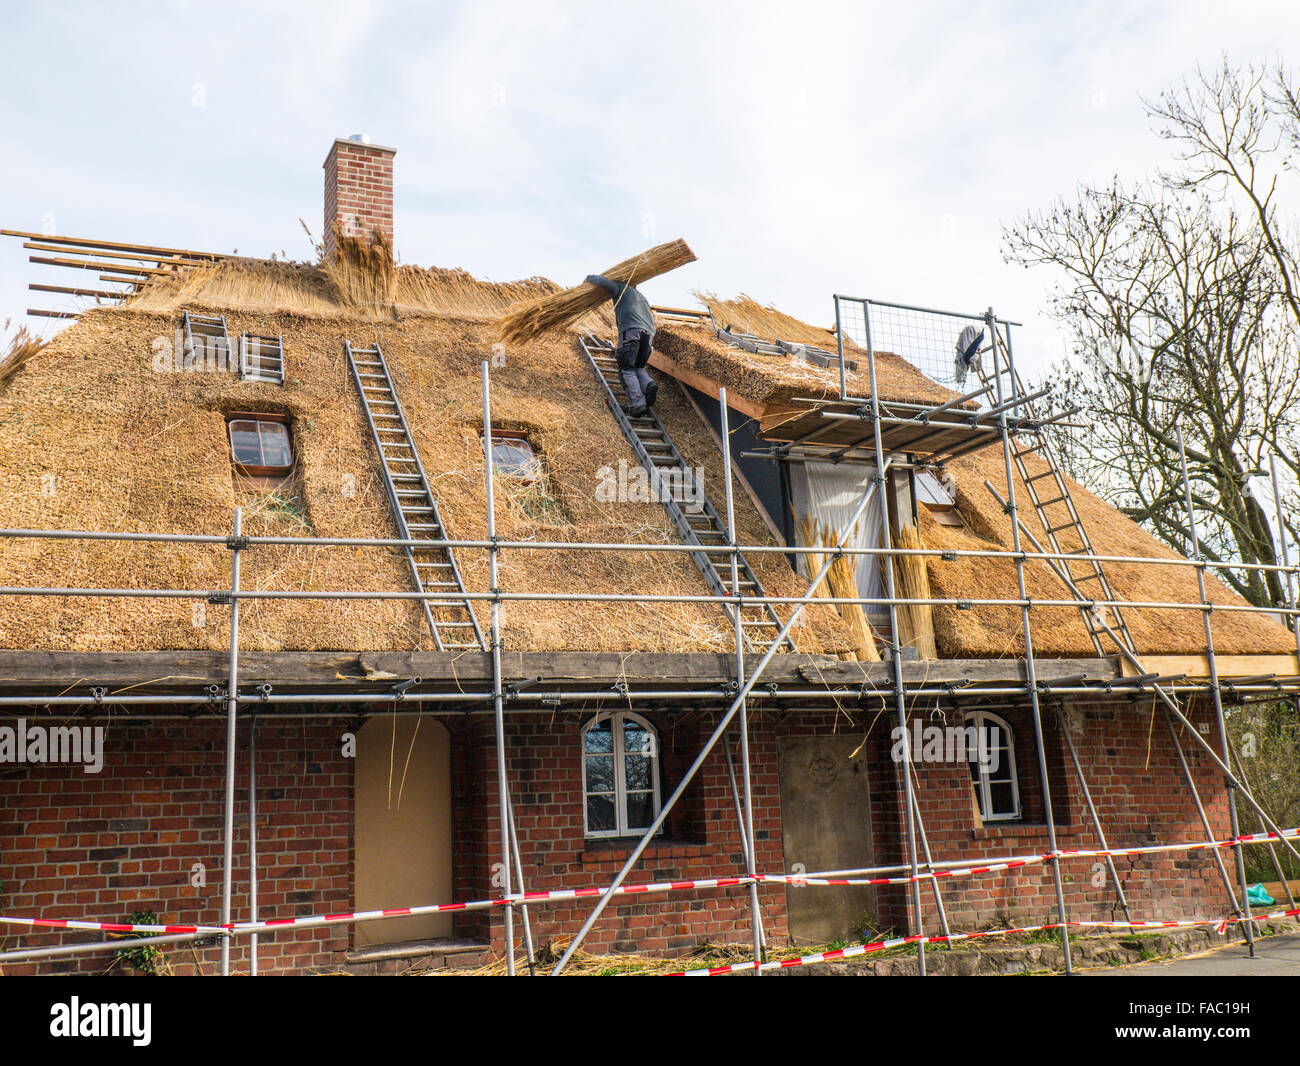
(358, 189)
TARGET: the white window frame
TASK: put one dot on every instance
(979, 719)
(616, 720)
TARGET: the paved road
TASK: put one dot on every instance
(1276, 956)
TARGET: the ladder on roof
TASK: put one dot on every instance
(699, 523)
(261, 358)
(1050, 497)
(206, 336)
(450, 618)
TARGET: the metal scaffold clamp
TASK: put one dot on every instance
(512, 690)
(400, 689)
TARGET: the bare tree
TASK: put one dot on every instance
(1180, 293)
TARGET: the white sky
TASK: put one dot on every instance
(801, 148)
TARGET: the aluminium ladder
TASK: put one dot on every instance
(704, 529)
(261, 358)
(1078, 572)
(207, 335)
(450, 618)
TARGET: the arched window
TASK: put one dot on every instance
(991, 748)
(620, 771)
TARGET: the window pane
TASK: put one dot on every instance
(275, 444)
(640, 810)
(599, 738)
(600, 773)
(1002, 798)
(600, 813)
(513, 457)
(635, 736)
(637, 771)
(244, 443)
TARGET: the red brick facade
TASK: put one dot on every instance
(358, 190)
(104, 845)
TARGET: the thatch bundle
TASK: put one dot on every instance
(361, 268)
(546, 313)
(843, 581)
(746, 315)
(915, 620)
(22, 348)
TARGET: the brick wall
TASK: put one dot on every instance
(701, 838)
(1141, 798)
(358, 190)
(103, 845)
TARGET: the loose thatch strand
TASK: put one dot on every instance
(529, 320)
(22, 348)
(915, 620)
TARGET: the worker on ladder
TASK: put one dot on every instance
(636, 330)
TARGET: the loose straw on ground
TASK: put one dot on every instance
(546, 313)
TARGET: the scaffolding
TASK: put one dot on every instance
(866, 429)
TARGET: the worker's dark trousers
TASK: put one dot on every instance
(633, 354)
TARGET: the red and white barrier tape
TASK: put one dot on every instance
(109, 927)
(652, 888)
(903, 941)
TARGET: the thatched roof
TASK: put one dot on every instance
(92, 437)
(130, 449)
(995, 631)
(776, 380)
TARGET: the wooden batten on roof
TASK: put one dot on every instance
(142, 263)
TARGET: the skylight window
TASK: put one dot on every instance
(523, 481)
(260, 445)
(513, 456)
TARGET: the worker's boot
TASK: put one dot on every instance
(651, 391)
(636, 412)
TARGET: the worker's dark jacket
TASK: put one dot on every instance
(631, 309)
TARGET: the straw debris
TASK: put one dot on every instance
(22, 348)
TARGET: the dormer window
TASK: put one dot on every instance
(524, 483)
(937, 498)
(513, 456)
(260, 445)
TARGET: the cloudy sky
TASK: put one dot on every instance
(801, 148)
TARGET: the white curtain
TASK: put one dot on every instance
(831, 492)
